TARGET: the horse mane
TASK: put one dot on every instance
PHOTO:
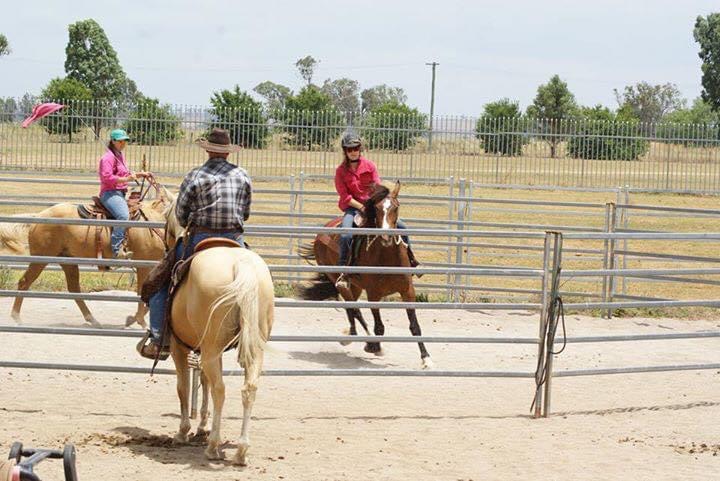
(379, 193)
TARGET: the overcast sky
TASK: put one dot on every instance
(181, 51)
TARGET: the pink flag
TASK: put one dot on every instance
(40, 111)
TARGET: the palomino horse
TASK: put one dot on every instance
(66, 240)
(381, 211)
(227, 298)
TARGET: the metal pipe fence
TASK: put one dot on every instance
(578, 152)
(549, 276)
(463, 211)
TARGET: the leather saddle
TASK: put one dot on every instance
(96, 209)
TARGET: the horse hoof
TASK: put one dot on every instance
(427, 363)
(93, 322)
(200, 435)
(180, 439)
(373, 347)
(213, 454)
(240, 458)
(130, 320)
(16, 317)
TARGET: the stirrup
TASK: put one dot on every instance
(149, 349)
(342, 282)
(122, 253)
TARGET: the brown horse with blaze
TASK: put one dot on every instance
(381, 250)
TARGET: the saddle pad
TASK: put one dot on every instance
(215, 242)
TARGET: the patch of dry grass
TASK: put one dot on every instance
(491, 253)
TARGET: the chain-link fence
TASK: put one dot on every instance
(528, 151)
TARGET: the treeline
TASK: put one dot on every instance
(101, 94)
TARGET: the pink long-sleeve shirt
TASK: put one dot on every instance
(110, 169)
(355, 184)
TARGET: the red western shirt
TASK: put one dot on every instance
(355, 184)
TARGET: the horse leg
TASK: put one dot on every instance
(252, 374)
(353, 330)
(409, 296)
(202, 427)
(72, 277)
(180, 357)
(213, 370)
(353, 314)
(379, 330)
(32, 273)
(142, 309)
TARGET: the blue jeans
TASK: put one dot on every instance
(159, 300)
(114, 201)
(346, 239)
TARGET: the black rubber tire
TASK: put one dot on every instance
(16, 452)
(69, 463)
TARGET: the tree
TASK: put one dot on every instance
(553, 103)
(306, 67)
(693, 126)
(4, 45)
(394, 126)
(92, 61)
(151, 123)
(707, 34)
(343, 93)
(275, 96)
(8, 107)
(606, 135)
(649, 103)
(310, 119)
(25, 106)
(69, 120)
(378, 95)
(240, 114)
(499, 126)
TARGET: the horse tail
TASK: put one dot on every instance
(307, 252)
(14, 236)
(243, 292)
(321, 288)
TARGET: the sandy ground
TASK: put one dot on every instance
(636, 426)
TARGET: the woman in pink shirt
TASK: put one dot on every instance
(355, 179)
(114, 176)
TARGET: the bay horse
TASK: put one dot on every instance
(381, 211)
(64, 240)
(226, 299)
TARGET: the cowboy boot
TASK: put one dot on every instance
(413, 261)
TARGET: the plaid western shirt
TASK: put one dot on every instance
(216, 195)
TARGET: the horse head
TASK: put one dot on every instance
(382, 210)
(173, 229)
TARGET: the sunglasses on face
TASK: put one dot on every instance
(352, 149)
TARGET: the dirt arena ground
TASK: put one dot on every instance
(638, 426)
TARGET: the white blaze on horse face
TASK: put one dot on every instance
(386, 207)
(386, 225)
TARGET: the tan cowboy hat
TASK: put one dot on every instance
(218, 141)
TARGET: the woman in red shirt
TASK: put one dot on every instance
(354, 182)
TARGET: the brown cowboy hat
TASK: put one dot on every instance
(217, 141)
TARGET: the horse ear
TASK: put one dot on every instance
(396, 189)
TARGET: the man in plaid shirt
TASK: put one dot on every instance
(215, 196)
(214, 201)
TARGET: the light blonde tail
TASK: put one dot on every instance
(243, 293)
(14, 237)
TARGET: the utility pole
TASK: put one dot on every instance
(432, 103)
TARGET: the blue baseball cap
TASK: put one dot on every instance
(119, 134)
